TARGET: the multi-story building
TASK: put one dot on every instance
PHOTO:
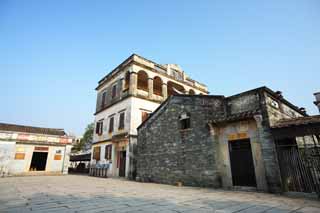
(125, 98)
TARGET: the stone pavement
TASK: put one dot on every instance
(90, 194)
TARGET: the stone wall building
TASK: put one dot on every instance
(26, 150)
(215, 141)
(125, 97)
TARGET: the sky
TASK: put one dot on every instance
(53, 53)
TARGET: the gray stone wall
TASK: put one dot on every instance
(167, 154)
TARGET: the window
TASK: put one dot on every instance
(126, 81)
(144, 116)
(157, 86)
(121, 120)
(143, 81)
(111, 122)
(96, 153)
(184, 121)
(99, 127)
(108, 152)
(103, 99)
(114, 91)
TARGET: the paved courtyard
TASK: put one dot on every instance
(89, 194)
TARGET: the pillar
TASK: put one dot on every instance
(133, 83)
(164, 91)
(272, 175)
(150, 87)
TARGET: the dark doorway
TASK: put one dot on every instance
(39, 161)
(242, 167)
(122, 166)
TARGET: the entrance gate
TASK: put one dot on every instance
(299, 165)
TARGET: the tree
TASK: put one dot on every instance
(86, 140)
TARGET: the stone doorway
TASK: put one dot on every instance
(242, 167)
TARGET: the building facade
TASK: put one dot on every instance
(26, 150)
(125, 97)
(215, 141)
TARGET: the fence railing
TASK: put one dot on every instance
(98, 172)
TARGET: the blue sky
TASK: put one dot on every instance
(53, 53)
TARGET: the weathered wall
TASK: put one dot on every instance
(167, 154)
(7, 151)
(23, 165)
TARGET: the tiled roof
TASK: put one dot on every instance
(297, 121)
(31, 129)
(236, 117)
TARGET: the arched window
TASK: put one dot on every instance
(174, 89)
(157, 86)
(126, 81)
(191, 92)
(143, 81)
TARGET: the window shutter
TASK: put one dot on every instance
(111, 124)
(121, 121)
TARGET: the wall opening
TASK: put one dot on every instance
(142, 81)
(242, 167)
(39, 161)
(157, 86)
(175, 89)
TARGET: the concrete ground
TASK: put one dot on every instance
(90, 194)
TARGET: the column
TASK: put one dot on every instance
(122, 86)
(164, 91)
(150, 87)
(272, 180)
(133, 83)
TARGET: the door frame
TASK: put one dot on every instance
(255, 184)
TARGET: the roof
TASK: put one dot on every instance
(31, 129)
(300, 121)
(81, 157)
(236, 117)
(172, 97)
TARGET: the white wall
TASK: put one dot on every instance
(137, 107)
(113, 110)
(23, 165)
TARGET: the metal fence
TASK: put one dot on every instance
(300, 167)
(99, 170)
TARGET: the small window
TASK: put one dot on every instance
(108, 152)
(96, 153)
(114, 91)
(144, 116)
(185, 121)
(111, 122)
(127, 81)
(274, 104)
(103, 99)
(121, 120)
(99, 127)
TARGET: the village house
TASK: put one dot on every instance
(125, 97)
(254, 140)
(27, 150)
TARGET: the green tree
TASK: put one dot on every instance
(86, 140)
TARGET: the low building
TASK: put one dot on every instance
(26, 150)
(227, 142)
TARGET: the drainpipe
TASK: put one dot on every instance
(317, 102)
